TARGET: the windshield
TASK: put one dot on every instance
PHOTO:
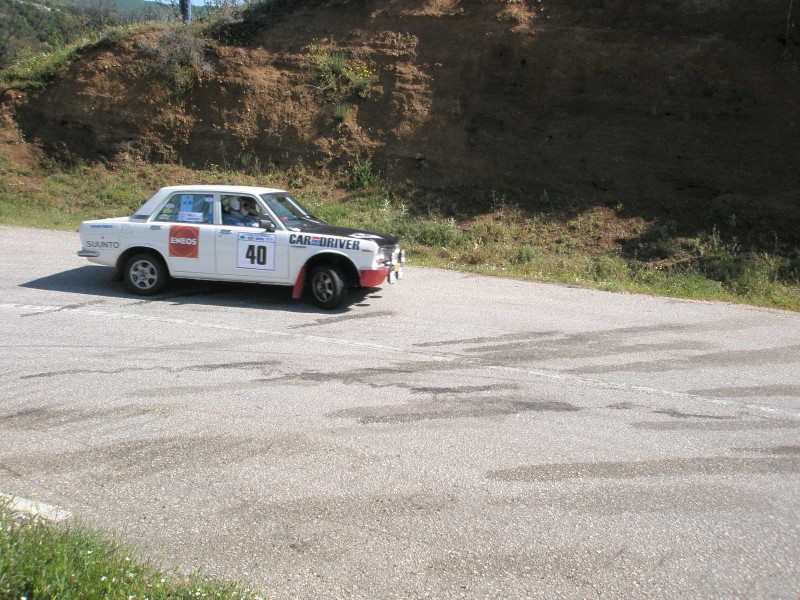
(290, 212)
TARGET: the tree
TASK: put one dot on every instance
(186, 11)
(180, 9)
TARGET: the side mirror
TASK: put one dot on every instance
(267, 225)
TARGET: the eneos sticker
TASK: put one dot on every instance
(184, 241)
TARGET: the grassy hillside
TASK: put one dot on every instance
(504, 241)
(670, 173)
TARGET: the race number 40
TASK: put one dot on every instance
(256, 251)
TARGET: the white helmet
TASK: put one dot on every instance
(234, 204)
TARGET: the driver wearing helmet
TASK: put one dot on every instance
(239, 211)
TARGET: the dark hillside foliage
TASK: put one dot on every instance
(35, 27)
(662, 134)
(240, 25)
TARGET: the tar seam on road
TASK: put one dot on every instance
(440, 356)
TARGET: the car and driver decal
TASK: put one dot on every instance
(321, 241)
(184, 241)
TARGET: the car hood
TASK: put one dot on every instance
(382, 239)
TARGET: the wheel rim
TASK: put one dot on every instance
(323, 287)
(143, 274)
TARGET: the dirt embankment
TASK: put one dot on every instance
(685, 112)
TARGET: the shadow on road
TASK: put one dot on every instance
(96, 281)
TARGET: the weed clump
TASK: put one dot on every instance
(362, 174)
(39, 559)
(335, 73)
(179, 58)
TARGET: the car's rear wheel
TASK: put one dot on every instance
(145, 274)
(327, 286)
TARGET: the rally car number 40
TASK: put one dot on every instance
(240, 233)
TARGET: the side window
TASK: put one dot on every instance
(240, 211)
(188, 208)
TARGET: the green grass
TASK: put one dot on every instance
(45, 561)
(32, 70)
(341, 110)
(507, 244)
(334, 72)
(502, 242)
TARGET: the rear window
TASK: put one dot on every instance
(188, 208)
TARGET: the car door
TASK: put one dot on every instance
(182, 230)
(250, 253)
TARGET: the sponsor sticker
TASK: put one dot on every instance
(256, 251)
(319, 241)
(366, 236)
(166, 212)
(102, 242)
(191, 217)
(184, 241)
(187, 203)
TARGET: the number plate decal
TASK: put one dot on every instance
(256, 251)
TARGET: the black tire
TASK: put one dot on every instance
(327, 286)
(145, 274)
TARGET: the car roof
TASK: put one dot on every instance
(232, 189)
(161, 194)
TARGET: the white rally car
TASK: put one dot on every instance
(238, 233)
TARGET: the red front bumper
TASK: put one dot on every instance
(373, 277)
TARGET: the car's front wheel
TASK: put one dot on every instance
(327, 286)
(146, 274)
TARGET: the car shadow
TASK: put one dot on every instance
(96, 281)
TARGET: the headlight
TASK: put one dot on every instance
(390, 256)
(384, 254)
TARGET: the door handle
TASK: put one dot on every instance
(155, 227)
(226, 231)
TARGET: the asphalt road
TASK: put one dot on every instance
(452, 436)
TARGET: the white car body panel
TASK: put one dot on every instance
(184, 226)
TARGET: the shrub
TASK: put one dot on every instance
(322, 59)
(239, 24)
(337, 63)
(433, 233)
(224, 25)
(525, 254)
(334, 72)
(362, 174)
(179, 57)
(789, 270)
(341, 110)
(490, 231)
(362, 80)
(609, 268)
